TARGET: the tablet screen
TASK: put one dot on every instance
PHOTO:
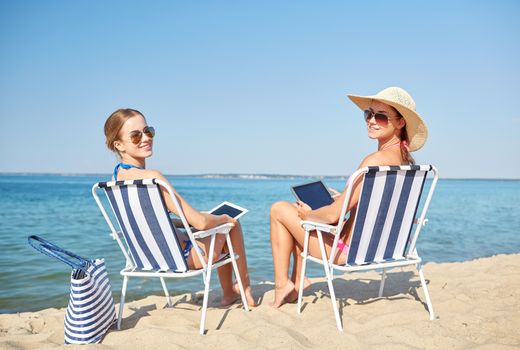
(230, 209)
(314, 194)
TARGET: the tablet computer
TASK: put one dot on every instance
(314, 194)
(230, 209)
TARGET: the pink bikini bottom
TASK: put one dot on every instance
(343, 248)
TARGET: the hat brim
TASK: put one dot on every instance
(415, 126)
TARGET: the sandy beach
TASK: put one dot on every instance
(477, 306)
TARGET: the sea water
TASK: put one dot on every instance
(467, 219)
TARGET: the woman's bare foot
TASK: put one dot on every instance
(293, 296)
(280, 294)
(249, 295)
(235, 296)
(229, 299)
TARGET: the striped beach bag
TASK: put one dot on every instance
(90, 312)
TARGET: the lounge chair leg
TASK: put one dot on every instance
(205, 301)
(382, 285)
(237, 274)
(302, 276)
(334, 302)
(122, 302)
(206, 285)
(426, 294)
(168, 299)
(329, 275)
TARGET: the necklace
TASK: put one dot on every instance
(394, 144)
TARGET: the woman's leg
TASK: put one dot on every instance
(225, 272)
(225, 277)
(296, 273)
(230, 292)
(282, 245)
(287, 238)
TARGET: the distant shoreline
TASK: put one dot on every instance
(246, 176)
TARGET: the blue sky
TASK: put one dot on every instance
(257, 86)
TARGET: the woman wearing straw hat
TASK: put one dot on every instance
(391, 119)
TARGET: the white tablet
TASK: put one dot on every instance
(314, 194)
(230, 209)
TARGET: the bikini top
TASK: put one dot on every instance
(124, 166)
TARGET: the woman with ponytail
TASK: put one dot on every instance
(391, 119)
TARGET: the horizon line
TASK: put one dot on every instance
(245, 176)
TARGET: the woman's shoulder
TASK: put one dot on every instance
(152, 173)
(374, 159)
(139, 174)
(156, 174)
(380, 158)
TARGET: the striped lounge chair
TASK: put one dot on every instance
(149, 240)
(383, 236)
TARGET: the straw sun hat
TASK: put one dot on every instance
(404, 103)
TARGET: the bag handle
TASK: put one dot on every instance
(52, 250)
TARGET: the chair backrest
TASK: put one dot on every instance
(386, 212)
(141, 212)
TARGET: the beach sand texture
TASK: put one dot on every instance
(477, 306)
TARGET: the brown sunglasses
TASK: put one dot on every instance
(136, 135)
(381, 119)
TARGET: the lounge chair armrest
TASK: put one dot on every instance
(116, 235)
(311, 225)
(418, 221)
(223, 229)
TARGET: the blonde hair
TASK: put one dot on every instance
(115, 122)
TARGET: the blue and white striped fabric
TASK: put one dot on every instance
(385, 213)
(149, 233)
(90, 311)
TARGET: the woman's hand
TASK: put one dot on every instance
(334, 194)
(303, 209)
(229, 219)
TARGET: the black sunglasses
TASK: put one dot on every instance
(136, 135)
(381, 119)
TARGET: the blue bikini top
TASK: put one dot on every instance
(124, 166)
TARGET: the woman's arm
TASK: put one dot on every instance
(201, 221)
(333, 193)
(329, 214)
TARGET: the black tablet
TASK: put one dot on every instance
(230, 209)
(314, 194)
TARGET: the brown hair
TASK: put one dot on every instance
(405, 153)
(114, 124)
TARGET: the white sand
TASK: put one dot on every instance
(477, 305)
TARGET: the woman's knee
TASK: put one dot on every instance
(215, 256)
(237, 229)
(278, 209)
(220, 241)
